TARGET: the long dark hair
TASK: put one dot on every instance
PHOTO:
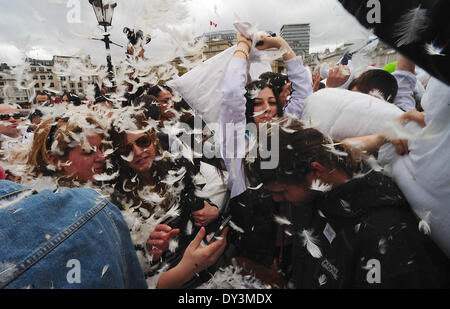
(258, 85)
(159, 170)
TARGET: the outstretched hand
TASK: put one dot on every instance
(197, 258)
(401, 146)
(159, 239)
(338, 76)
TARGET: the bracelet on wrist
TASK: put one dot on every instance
(246, 43)
(242, 51)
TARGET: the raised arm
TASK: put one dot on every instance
(406, 80)
(232, 116)
(298, 75)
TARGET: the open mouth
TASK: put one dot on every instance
(98, 170)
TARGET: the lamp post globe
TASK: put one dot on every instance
(104, 10)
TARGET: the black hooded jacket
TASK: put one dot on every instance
(368, 237)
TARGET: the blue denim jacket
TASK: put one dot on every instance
(67, 239)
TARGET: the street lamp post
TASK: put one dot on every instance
(104, 10)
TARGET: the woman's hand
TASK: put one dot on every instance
(197, 258)
(277, 42)
(205, 216)
(337, 77)
(316, 81)
(401, 146)
(412, 115)
(159, 239)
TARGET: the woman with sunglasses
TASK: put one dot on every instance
(151, 184)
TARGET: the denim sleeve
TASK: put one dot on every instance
(68, 239)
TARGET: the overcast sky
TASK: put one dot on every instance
(41, 28)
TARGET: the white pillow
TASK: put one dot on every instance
(342, 113)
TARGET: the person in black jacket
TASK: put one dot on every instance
(349, 230)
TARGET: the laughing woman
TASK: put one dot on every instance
(69, 149)
(156, 192)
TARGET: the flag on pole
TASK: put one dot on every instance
(212, 24)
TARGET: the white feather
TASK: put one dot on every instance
(424, 224)
(104, 270)
(317, 185)
(410, 26)
(129, 158)
(173, 245)
(235, 227)
(310, 242)
(282, 220)
(257, 187)
(433, 50)
(106, 177)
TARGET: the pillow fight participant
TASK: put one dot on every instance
(69, 148)
(282, 84)
(377, 83)
(11, 136)
(155, 187)
(164, 95)
(350, 230)
(66, 248)
(257, 103)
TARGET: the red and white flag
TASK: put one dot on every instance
(212, 24)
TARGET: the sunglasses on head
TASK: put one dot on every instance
(7, 116)
(142, 142)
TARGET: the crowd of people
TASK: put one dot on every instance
(119, 186)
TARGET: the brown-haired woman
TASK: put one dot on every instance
(68, 148)
(157, 188)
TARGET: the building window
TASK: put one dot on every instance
(72, 85)
(63, 78)
(36, 85)
(41, 69)
(35, 77)
(52, 85)
(42, 77)
(33, 69)
(80, 85)
(50, 77)
(2, 83)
